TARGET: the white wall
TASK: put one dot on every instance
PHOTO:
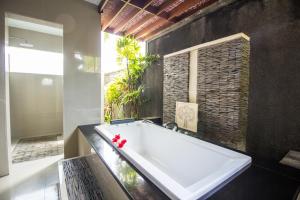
(35, 99)
(4, 102)
(35, 108)
(81, 22)
(40, 41)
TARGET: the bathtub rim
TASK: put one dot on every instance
(134, 164)
(127, 161)
(157, 183)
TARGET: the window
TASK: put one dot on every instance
(33, 61)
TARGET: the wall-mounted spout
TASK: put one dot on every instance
(171, 125)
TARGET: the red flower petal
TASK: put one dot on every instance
(118, 136)
(114, 140)
(123, 141)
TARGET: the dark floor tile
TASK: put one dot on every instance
(258, 183)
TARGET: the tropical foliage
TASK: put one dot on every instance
(125, 92)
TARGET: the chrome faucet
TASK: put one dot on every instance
(171, 125)
(147, 121)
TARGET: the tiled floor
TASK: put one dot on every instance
(14, 142)
(36, 179)
(37, 148)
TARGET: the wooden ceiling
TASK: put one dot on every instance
(145, 18)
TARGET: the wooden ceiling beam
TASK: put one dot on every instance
(204, 4)
(149, 34)
(101, 6)
(178, 11)
(150, 28)
(182, 8)
(105, 26)
(124, 21)
(159, 13)
(149, 9)
(137, 25)
(185, 19)
(130, 17)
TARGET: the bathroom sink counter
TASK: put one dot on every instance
(257, 182)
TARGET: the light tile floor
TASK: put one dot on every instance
(36, 148)
(14, 142)
(32, 180)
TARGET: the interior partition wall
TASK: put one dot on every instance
(222, 82)
(82, 86)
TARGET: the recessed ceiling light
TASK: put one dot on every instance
(28, 45)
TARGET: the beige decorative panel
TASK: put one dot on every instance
(187, 115)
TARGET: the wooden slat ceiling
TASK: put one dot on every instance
(144, 18)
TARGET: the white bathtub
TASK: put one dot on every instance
(181, 166)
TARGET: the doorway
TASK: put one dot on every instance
(34, 107)
(35, 61)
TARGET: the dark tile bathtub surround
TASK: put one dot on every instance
(134, 184)
(262, 181)
(80, 182)
(274, 30)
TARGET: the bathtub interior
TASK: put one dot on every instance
(171, 152)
